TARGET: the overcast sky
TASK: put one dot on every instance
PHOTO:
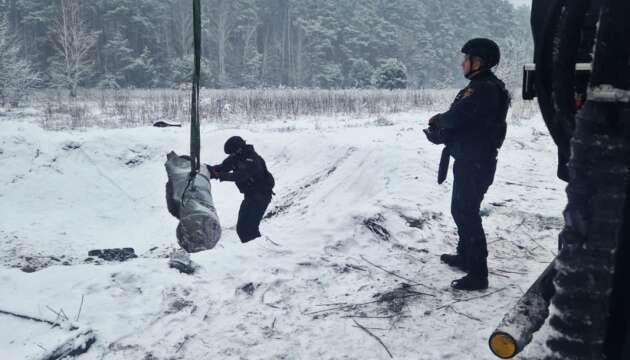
(521, 2)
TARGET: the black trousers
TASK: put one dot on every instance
(471, 181)
(250, 214)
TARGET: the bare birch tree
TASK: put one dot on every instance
(223, 20)
(182, 33)
(73, 43)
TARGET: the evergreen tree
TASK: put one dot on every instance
(116, 57)
(17, 77)
(360, 74)
(30, 22)
(142, 70)
(181, 71)
(391, 75)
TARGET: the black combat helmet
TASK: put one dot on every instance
(233, 144)
(485, 49)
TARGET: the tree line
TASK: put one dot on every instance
(257, 43)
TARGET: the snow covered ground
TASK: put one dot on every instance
(350, 254)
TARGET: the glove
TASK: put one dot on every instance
(434, 135)
(213, 173)
(433, 121)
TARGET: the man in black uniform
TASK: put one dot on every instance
(249, 172)
(473, 129)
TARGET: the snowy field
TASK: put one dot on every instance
(348, 267)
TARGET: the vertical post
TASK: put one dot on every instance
(194, 108)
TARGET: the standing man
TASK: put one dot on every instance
(249, 172)
(472, 130)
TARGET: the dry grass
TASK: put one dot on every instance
(139, 107)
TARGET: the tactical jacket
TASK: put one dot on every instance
(247, 170)
(474, 127)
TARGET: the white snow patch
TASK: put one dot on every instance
(353, 195)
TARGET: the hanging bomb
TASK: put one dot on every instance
(189, 198)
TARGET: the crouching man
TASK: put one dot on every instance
(249, 172)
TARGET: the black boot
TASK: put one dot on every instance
(471, 282)
(456, 261)
(477, 278)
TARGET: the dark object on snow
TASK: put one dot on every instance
(189, 199)
(248, 288)
(182, 268)
(116, 254)
(71, 146)
(28, 269)
(249, 172)
(397, 299)
(162, 123)
(76, 346)
(525, 318)
(374, 224)
(181, 261)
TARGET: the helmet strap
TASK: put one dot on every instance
(471, 73)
